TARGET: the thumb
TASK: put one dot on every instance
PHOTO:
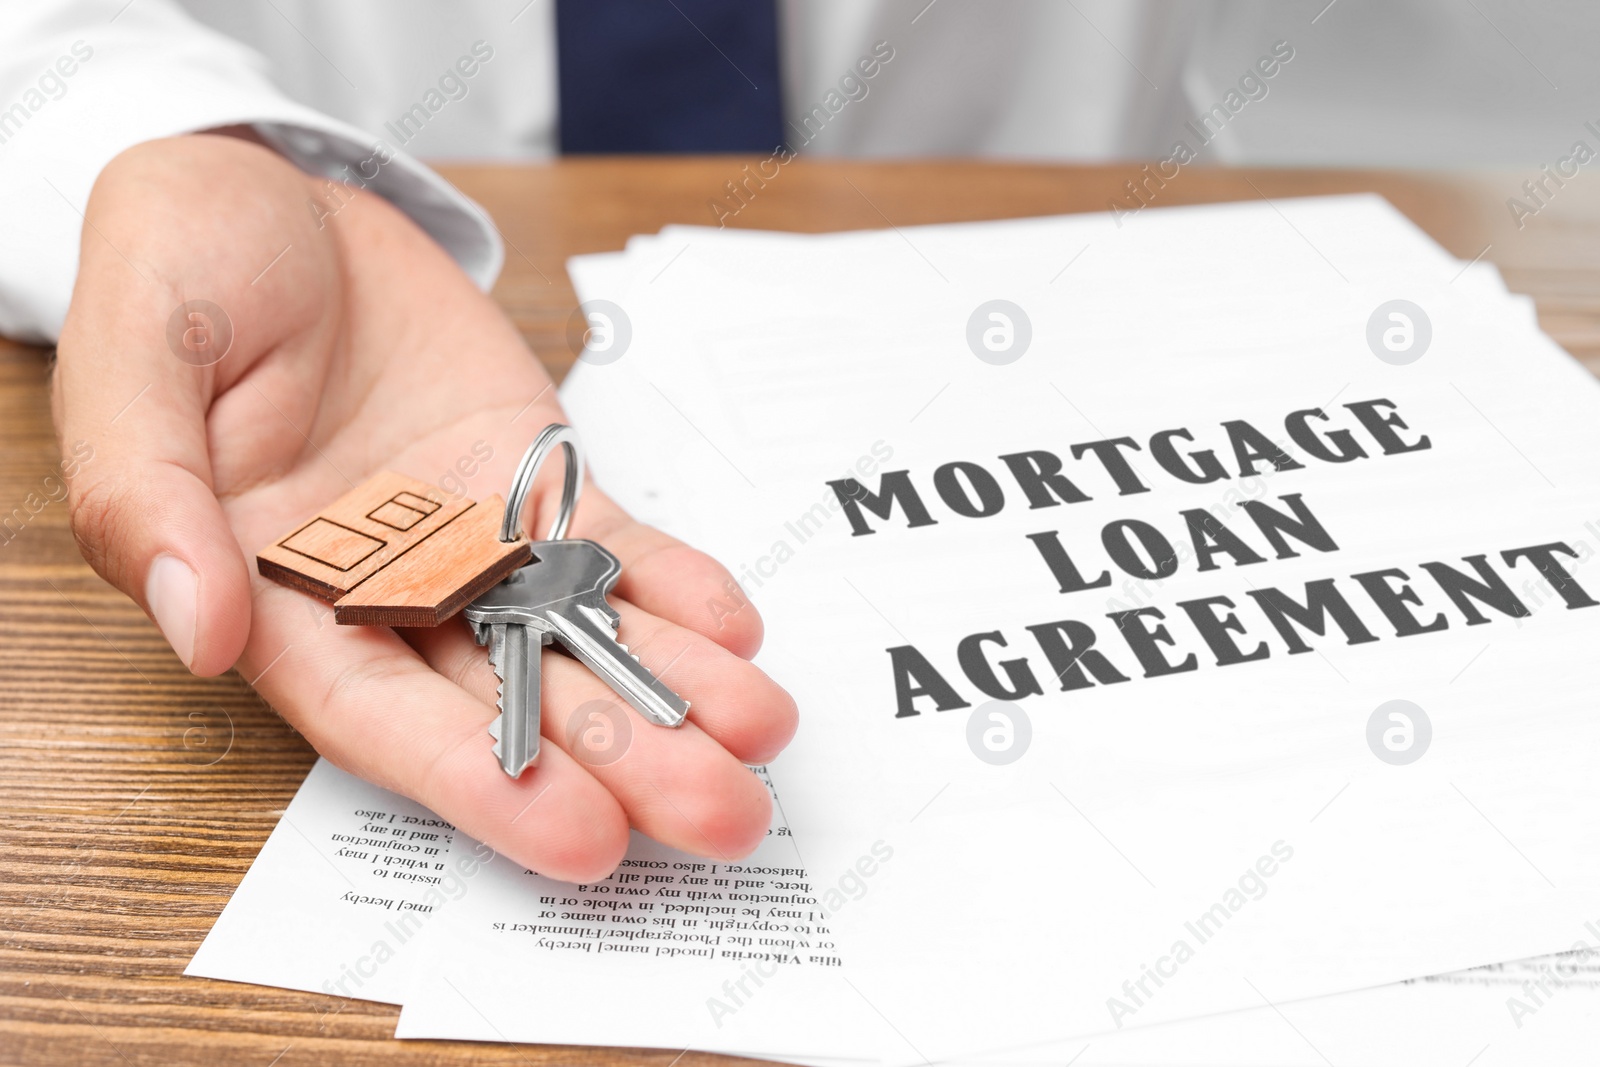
(131, 419)
(146, 519)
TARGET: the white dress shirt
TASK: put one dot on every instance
(329, 82)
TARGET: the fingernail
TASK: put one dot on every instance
(173, 592)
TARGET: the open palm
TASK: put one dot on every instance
(363, 347)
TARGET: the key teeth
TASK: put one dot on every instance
(612, 626)
(631, 653)
(497, 662)
(494, 727)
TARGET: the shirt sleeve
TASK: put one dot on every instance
(83, 80)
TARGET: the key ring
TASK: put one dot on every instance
(522, 482)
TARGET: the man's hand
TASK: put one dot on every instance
(359, 345)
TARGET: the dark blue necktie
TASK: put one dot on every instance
(669, 75)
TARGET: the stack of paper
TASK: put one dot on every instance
(1188, 616)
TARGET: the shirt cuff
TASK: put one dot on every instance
(143, 83)
(320, 145)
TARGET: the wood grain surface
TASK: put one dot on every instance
(135, 796)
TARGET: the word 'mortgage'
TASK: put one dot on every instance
(970, 490)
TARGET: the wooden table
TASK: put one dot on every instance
(135, 796)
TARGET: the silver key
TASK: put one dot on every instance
(514, 651)
(562, 597)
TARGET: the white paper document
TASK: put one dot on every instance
(1224, 834)
(1173, 642)
(296, 922)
